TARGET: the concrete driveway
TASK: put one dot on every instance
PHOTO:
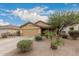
(9, 44)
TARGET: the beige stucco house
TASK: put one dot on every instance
(33, 29)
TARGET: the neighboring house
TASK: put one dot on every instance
(8, 29)
(33, 29)
(66, 29)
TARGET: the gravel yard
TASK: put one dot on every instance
(42, 48)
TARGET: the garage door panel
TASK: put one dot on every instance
(31, 32)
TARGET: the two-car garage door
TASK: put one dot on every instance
(30, 32)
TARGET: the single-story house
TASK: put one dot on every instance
(11, 29)
(33, 29)
(66, 29)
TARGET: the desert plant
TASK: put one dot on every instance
(49, 34)
(56, 43)
(74, 34)
(38, 38)
(24, 45)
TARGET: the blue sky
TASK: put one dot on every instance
(32, 5)
(20, 13)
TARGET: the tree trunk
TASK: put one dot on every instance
(59, 30)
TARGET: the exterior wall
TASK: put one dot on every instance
(30, 30)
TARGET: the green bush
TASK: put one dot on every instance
(38, 38)
(24, 45)
(49, 34)
(74, 34)
(56, 43)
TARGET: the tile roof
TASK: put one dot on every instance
(36, 24)
(9, 27)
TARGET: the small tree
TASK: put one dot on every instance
(61, 19)
(49, 34)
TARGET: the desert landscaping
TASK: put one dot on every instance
(42, 48)
(57, 36)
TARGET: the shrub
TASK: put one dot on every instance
(49, 34)
(4, 35)
(56, 43)
(38, 38)
(24, 45)
(74, 34)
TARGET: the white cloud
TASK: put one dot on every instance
(38, 9)
(3, 23)
(33, 14)
(50, 11)
(5, 12)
